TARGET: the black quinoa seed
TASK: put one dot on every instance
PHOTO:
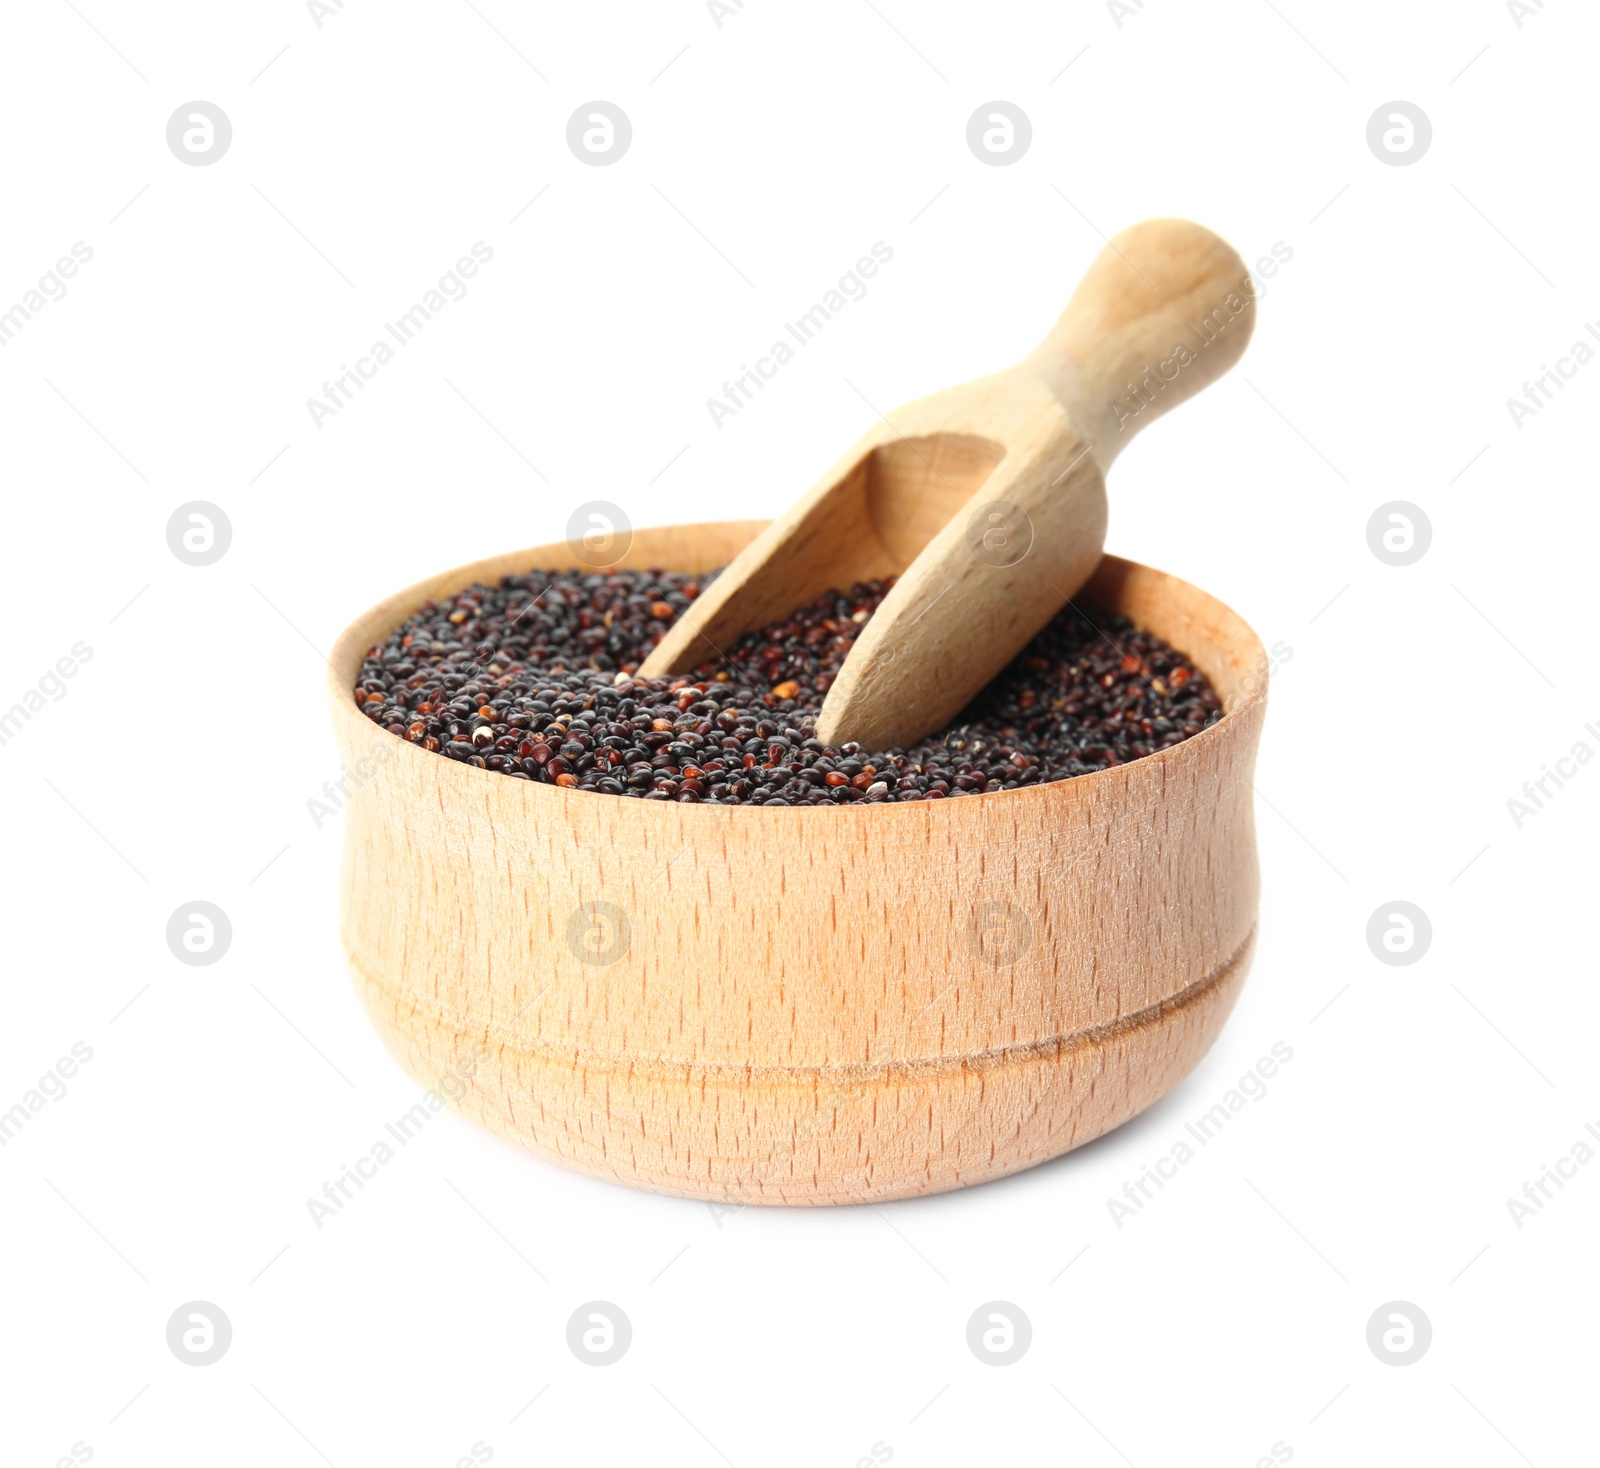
(533, 679)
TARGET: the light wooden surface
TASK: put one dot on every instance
(988, 500)
(807, 1009)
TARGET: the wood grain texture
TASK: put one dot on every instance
(987, 500)
(811, 1005)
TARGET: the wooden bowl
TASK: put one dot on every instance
(806, 1005)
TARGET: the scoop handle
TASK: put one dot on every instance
(1165, 308)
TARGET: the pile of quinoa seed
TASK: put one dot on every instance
(533, 679)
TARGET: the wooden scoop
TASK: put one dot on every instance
(986, 500)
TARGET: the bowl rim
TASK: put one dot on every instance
(352, 644)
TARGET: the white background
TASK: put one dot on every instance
(368, 155)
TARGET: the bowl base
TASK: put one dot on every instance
(808, 1135)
